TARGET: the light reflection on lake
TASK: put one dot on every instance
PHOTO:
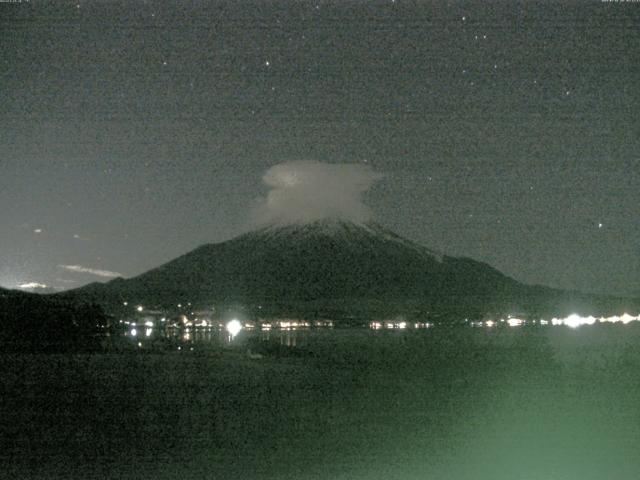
(220, 337)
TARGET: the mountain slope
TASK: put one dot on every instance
(325, 265)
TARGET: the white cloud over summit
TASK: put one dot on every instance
(306, 191)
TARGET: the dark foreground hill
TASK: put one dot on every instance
(339, 269)
(38, 323)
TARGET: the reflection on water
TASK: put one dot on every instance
(398, 325)
(288, 334)
(288, 338)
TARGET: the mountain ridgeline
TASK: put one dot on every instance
(337, 269)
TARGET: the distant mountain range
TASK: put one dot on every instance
(337, 269)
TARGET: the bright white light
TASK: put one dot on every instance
(514, 322)
(139, 308)
(148, 331)
(489, 323)
(402, 325)
(626, 318)
(148, 323)
(573, 321)
(234, 327)
(134, 332)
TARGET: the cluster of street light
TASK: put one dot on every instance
(235, 326)
(573, 321)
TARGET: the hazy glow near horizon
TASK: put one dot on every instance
(32, 285)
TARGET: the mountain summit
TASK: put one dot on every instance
(323, 266)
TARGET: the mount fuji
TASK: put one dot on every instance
(332, 268)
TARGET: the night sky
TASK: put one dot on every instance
(133, 132)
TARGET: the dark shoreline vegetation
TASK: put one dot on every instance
(47, 324)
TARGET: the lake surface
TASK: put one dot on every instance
(464, 403)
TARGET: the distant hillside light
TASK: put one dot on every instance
(139, 308)
(514, 322)
(234, 327)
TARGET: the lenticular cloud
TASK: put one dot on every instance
(302, 192)
(91, 271)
